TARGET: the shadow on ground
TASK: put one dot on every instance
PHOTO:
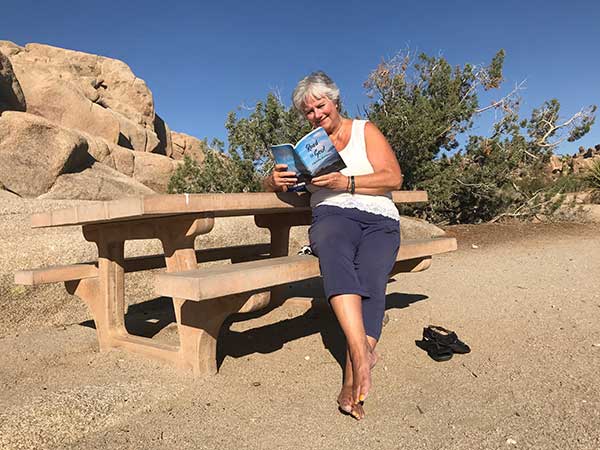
(318, 319)
(153, 317)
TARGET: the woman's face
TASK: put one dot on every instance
(321, 112)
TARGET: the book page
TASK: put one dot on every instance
(285, 154)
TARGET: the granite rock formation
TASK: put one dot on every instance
(64, 113)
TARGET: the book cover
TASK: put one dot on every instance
(312, 156)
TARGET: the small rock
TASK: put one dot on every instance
(256, 384)
(595, 345)
(386, 319)
(510, 441)
(307, 358)
(474, 246)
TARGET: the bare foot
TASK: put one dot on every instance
(347, 405)
(346, 398)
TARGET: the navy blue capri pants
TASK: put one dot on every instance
(357, 251)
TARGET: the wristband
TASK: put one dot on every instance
(352, 185)
(348, 185)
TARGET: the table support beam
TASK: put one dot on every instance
(198, 324)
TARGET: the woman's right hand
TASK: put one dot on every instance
(281, 179)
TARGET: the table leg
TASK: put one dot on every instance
(279, 226)
(199, 323)
(105, 295)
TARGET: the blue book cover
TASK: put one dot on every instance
(312, 156)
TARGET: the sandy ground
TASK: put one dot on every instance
(525, 297)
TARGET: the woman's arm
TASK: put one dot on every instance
(386, 175)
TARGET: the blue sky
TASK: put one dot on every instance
(202, 60)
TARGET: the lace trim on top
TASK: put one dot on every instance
(379, 205)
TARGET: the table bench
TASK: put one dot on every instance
(202, 298)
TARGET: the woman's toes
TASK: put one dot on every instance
(358, 412)
(345, 399)
(362, 384)
(345, 408)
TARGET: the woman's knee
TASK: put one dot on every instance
(326, 237)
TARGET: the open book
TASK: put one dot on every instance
(312, 156)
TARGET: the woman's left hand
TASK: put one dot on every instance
(334, 180)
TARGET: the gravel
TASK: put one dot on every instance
(525, 298)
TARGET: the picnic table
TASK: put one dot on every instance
(202, 297)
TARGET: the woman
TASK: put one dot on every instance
(355, 228)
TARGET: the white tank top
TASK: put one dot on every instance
(357, 163)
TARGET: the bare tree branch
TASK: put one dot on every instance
(477, 185)
(553, 128)
(531, 208)
(504, 103)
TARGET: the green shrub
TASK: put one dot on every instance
(219, 173)
(568, 183)
(592, 176)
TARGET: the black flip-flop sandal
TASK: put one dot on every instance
(445, 338)
(435, 351)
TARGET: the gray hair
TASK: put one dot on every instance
(317, 85)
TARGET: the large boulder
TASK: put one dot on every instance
(164, 137)
(122, 160)
(153, 170)
(136, 137)
(413, 228)
(11, 95)
(98, 182)
(91, 109)
(91, 93)
(582, 165)
(7, 195)
(555, 165)
(9, 48)
(62, 103)
(115, 84)
(111, 155)
(184, 144)
(35, 151)
(582, 161)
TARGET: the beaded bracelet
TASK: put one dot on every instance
(352, 185)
